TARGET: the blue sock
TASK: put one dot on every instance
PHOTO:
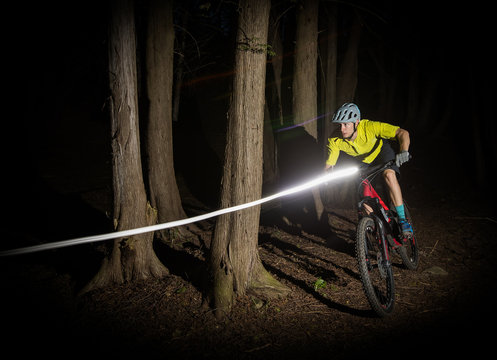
(400, 212)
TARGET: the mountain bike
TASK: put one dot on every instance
(379, 235)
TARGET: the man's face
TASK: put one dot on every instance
(347, 129)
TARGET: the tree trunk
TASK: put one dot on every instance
(164, 193)
(342, 194)
(305, 77)
(305, 66)
(330, 82)
(131, 258)
(270, 167)
(273, 107)
(331, 70)
(180, 65)
(347, 79)
(277, 66)
(234, 259)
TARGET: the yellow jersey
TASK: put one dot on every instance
(366, 146)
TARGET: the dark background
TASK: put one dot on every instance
(56, 129)
(56, 124)
(56, 142)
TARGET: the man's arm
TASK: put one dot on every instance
(333, 151)
(403, 139)
(404, 142)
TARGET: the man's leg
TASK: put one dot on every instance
(393, 187)
(396, 196)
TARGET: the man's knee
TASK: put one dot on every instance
(390, 176)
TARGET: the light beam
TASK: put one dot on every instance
(334, 175)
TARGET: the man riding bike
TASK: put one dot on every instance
(365, 140)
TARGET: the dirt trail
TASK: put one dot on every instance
(445, 305)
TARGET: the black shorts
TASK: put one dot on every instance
(386, 154)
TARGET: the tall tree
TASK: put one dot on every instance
(305, 77)
(274, 40)
(347, 79)
(342, 193)
(305, 66)
(329, 93)
(164, 193)
(330, 81)
(273, 114)
(133, 257)
(234, 260)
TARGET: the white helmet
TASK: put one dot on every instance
(348, 112)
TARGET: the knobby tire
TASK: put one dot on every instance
(409, 253)
(377, 279)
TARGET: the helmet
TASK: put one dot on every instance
(348, 112)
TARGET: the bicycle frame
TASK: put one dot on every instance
(380, 212)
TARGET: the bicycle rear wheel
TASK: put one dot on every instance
(376, 277)
(409, 251)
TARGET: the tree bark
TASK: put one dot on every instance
(164, 193)
(305, 67)
(330, 83)
(347, 79)
(305, 78)
(341, 194)
(234, 259)
(131, 258)
(270, 166)
(180, 65)
(277, 66)
(331, 70)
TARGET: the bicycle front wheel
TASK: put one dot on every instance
(376, 276)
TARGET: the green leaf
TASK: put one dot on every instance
(319, 284)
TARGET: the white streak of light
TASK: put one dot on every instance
(126, 233)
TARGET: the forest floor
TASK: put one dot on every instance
(445, 306)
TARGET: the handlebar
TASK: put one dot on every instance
(366, 171)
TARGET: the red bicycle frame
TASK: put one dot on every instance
(369, 191)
